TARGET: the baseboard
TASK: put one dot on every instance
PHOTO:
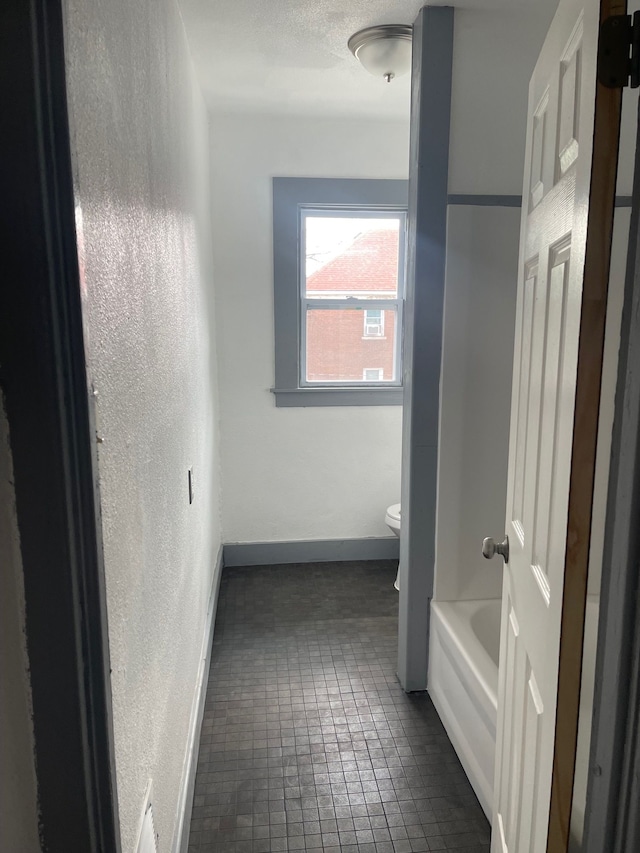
(187, 787)
(311, 551)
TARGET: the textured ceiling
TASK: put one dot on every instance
(291, 56)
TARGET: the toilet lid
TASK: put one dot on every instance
(394, 512)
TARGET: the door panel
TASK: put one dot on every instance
(519, 823)
(549, 452)
(539, 150)
(522, 422)
(569, 104)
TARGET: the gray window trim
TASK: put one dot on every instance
(289, 196)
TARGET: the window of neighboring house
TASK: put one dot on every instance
(339, 262)
(373, 374)
(373, 323)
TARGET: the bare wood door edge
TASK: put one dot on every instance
(608, 104)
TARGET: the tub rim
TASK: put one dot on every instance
(474, 657)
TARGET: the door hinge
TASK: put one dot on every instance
(619, 52)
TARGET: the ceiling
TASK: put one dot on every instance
(291, 56)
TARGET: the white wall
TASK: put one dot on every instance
(140, 152)
(475, 395)
(494, 53)
(306, 473)
(18, 795)
(482, 265)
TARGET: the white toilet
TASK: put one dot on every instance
(392, 520)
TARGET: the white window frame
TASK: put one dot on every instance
(356, 303)
(294, 198)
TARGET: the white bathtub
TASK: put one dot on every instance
(463, 684)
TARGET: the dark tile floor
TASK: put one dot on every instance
(308, 741)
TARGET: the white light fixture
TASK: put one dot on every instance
(385, 51)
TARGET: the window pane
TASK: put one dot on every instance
(338, 351)
(346, 256)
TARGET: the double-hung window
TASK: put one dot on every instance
(339, 265)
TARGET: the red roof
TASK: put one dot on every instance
(369, 263)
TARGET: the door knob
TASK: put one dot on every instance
(490, 548)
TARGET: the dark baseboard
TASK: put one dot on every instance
(311, 551)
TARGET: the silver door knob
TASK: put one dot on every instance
(490, 548)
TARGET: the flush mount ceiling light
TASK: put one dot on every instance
(385, 51)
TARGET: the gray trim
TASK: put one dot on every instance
(612, 808)
(426, 255)
(481, 200)
(310, 551)
(289, 195)
(185, 804)
(311, 397)
(485, 200)
(350, 302)
(43, 375)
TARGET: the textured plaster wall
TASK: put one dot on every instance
(18, 795)
(140, 152)
(305, 473)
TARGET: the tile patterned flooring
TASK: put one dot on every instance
(308, 741)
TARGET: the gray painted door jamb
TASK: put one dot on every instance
(428, 180)
(612, 815)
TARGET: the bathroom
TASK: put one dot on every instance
(294, 476)
(270, 616)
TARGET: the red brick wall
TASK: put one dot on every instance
(337, 348)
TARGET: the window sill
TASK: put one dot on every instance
(307, 397)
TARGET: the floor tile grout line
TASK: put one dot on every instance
(352, 663)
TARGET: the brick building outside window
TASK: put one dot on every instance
(352, 344)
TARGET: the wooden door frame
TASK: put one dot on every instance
(612, 815)
(44, 380)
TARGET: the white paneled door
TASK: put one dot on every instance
(553, 241)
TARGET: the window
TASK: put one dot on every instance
(373, 374)
(373, 323)
(339, 259)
